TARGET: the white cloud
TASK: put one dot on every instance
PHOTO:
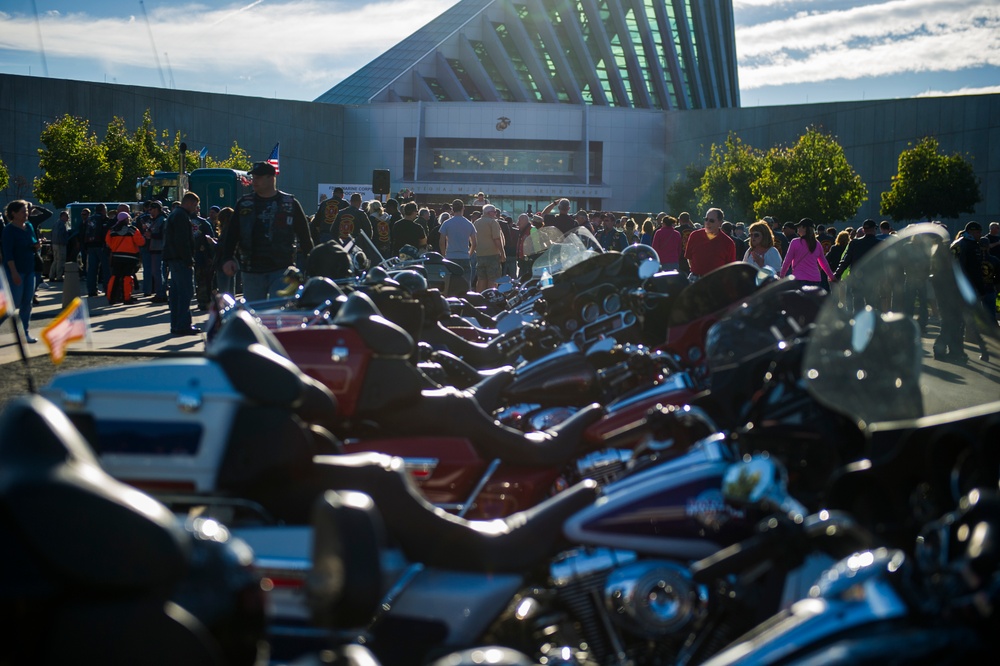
(298, 41)
(303, 47)
(988, 90)
(874, 40)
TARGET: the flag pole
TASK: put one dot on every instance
(8, 309)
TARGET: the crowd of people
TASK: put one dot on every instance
(249, 247)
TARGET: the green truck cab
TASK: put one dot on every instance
(215, 187)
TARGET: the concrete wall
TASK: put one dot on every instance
(644, 151)
(311, 135)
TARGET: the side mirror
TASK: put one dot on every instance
(648, 269)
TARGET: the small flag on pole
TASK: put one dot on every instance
(204, 153)
(273, 158)
(6, 299)
(71, 325)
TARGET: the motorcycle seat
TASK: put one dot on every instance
(381, 335)
(79, 523)
(488, 355)
(464, 417)
(437, 538)
(258, 366)
(464, 376)
(494, 382)
(456, 320)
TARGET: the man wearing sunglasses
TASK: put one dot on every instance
(708, 248)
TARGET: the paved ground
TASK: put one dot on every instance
(141, 327)
(118, 334)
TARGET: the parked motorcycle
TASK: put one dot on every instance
(102, 573)
(935, 604)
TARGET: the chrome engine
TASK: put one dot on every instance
(626, 606)
(603, 466)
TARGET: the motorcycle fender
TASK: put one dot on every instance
(465, 603)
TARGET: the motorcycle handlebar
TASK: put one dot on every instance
(781, 536)
(776, 533)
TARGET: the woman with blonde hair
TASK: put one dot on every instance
(762, 251)
(648, 229)
(837, 251)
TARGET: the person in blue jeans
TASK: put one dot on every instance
(458, 243)
(264, 231)
(178, 254)
(19, 246)
(93, 230)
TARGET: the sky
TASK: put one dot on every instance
(789, 51)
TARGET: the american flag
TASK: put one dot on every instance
(68, 327)
(273, 158)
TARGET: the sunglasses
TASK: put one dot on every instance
(756, 234)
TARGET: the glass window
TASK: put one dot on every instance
(499, 160)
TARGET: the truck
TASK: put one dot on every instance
(216, 187)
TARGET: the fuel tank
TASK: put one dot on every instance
(674, 510)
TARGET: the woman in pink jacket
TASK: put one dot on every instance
(804, 257)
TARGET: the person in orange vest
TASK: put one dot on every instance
(124, 239)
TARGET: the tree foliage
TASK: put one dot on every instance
(4, 175)
(78, 167)
(811, 179)
(74, 164)
(681, 194)
(238, 159)
(931, 185)
(731, 170)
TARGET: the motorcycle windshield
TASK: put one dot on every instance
(901, 337)
(716, 291)
(562, 251)
(768, 319)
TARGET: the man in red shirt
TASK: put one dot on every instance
(708, 248)
(667, 243)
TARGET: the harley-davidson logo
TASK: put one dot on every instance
(710, 509)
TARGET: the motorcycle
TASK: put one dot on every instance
(595, 610)
(135, 585)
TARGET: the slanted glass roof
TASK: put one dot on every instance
(657, 54)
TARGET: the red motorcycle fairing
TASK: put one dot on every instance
(704, 303)
(615, 424)
(335, 356)
(448, 470)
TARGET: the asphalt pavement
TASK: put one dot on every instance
(144, 327)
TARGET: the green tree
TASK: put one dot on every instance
(73, 162)
(732, 168)
(4, 175)
(681, 194)
(931, 185)
(811, 179)
(238, 159)
(126, 157)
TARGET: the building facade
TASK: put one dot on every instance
(612, 158)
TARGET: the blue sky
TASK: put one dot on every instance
(789, 52)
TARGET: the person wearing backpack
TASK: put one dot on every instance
(124, 239)
(95, 228)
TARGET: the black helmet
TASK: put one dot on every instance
(409, 252)
(317, 291)
(412, 281)
(376, 275)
